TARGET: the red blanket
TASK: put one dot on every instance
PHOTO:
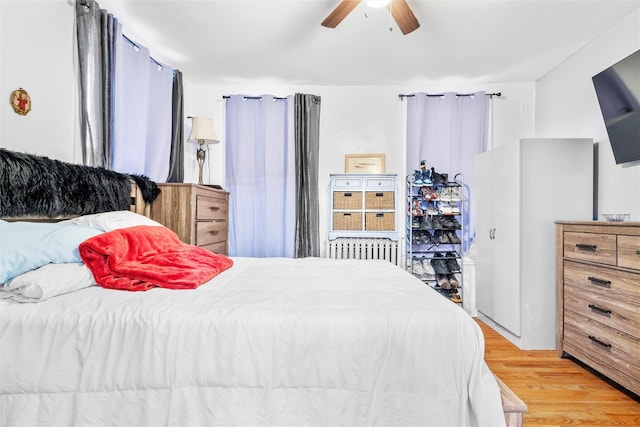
(143, 257)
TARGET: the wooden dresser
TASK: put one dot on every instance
(198, 214)
(598, 295)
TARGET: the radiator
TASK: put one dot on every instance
(350, 248)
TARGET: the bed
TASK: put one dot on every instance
(265, 342)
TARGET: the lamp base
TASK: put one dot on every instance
(200, 155)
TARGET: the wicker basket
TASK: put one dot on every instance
(379, 200)
(347, 220)
(347, 200)
(379, 221)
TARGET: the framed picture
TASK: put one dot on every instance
(364, 163)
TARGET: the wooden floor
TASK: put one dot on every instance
(557, 391)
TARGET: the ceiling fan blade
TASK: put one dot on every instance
(403, 16)
(339, 13)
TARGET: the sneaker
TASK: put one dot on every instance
(431, 209)
(436, 178)
(443, 282)
(439, 264)
(416, 209)
(455, 209)
(445, 194)
(425, 176)
(417, 178)
(416, 267)
(454, 193)
(453, 238)
(428, 268)
(415, 222)
(436, 223)
(451, 223)
(445, 209)
(427, 224)
(453, 281)
(452, 262)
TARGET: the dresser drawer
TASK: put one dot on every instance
(603, 282)
(379, 200)
(347, 220)
(380, 184)
(210, 208)
(590, 247)
(208, 232)
(610, 309)
(629, 252)
(614, 348)
(217, 248)
(347, 183)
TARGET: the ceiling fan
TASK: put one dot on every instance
(400, 11)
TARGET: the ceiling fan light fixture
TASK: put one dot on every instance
(378, 3)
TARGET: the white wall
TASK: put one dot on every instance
(354, 119)
(566, 106)
(37, 45)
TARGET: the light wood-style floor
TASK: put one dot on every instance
(557, 391)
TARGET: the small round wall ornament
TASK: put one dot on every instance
(20, 101)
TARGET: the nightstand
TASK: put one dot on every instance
(198, 214)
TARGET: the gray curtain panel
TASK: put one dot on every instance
(96, 35)
(176, 158)
(307, 136)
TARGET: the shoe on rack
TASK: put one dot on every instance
(416, 209)
(442, 237)
(445, 209)
(445, 194)
(428, 268)
(436, 178)
(425, 237)
(417, 178)
(455, 209)
(454, 193)
(443, 282)
(436, 223)
(453, 281)
(453, 238)
(432, 209)
(451, 223)
(425, 176)
(427, 224)
(416, 267)
(415, 222)
(452, 262)
(439, 264)
(455, 297)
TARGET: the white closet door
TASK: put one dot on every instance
(484, 230)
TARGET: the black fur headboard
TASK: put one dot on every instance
(38, 186)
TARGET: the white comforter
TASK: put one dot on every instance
(268, 342)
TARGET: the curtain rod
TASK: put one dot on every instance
(491, 95)
(275, 98)
(134, 44)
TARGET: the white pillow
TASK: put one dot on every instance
(109, 221)
(48, 281)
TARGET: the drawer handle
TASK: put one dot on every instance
(215, 208)
(379, 194)
(347, 194)
(600, 282)
(599, 309)
(638, 252)
(599, 341)
(379, 215)
(590, 248)
(214, 232)
(346, 214)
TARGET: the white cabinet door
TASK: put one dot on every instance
(506, 190)
(484, 231)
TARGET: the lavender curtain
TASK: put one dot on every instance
(448, 131)
(260, 176)
(97, 34)
(307, 138)
(143, 94)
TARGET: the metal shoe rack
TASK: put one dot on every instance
(434, 227)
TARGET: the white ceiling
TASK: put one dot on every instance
(282, 41)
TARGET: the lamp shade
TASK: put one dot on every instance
(202, 130)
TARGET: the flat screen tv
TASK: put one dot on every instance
(618, 92)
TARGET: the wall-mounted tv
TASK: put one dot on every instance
(618, 92)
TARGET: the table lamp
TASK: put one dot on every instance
(202, 133)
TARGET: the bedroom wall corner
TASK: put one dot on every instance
(36, 41)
